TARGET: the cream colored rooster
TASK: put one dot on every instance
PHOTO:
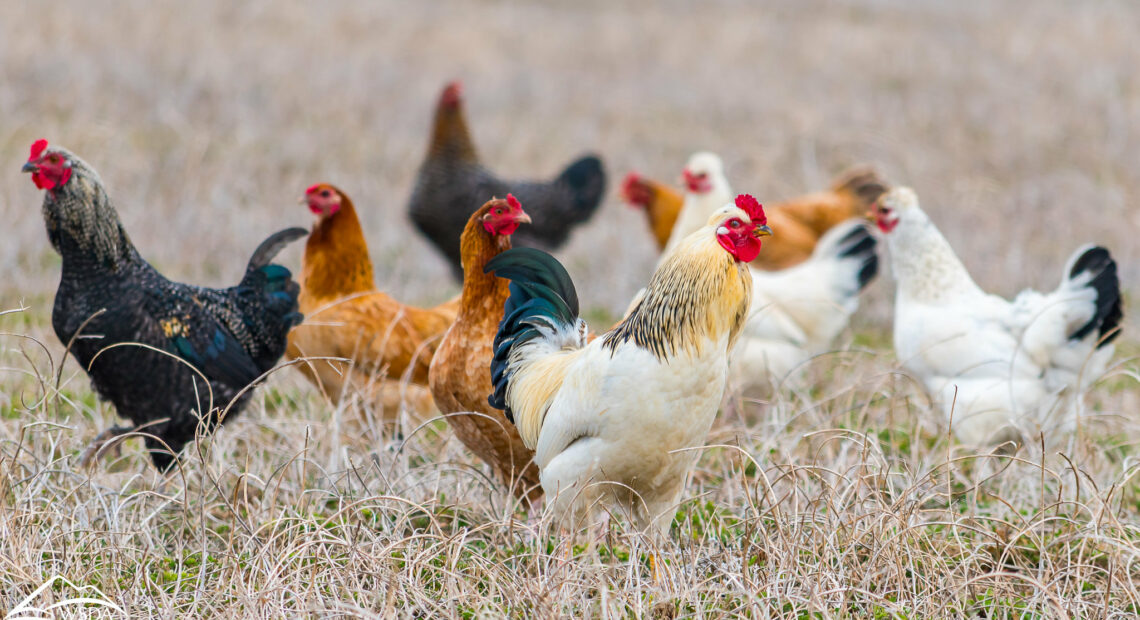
(617, 419)
(796, 312)
(994, 366)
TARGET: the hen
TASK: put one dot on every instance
(617, 419)
(459, 379)
(797, 311)
(801, 221)
(662, 204)
(992, 365)
(348, 318)
(201, 348)
(452, 183)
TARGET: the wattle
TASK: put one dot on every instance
(744, 248)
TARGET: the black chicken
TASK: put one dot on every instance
(452, 184)
(112, 305)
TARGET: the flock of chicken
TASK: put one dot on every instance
(554, 409)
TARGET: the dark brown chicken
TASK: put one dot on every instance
(110, 301)
(452, 183)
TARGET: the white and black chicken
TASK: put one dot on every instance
(996, 367)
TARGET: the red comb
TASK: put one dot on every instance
(38, 148)
(452, 93)
(631, 180)
(753, 208)
(513, 202)
(313, 188)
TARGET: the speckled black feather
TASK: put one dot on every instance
(230, 335)
(542, 293)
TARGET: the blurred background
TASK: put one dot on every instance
(1017, 122)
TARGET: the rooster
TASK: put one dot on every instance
(995, 366)
(349, 319)
(452, 183)
(797, 311)
(459, 379)
(169, 356)
(802, 221)
(617, 419)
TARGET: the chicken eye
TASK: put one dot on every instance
(325, 193)
(499, 211)
(734, 223)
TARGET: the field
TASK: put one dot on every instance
(1018, 123)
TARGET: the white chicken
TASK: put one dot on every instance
(617, 419)
(706, 190)
(996, 368)
(796, 312)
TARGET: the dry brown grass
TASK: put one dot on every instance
(1017, 122)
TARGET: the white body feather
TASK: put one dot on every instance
(798, 312)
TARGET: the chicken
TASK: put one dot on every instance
(798, 312)
(617, 419)
(706, 190)
(459, 379)
(993, 366)
(384, 340)
(169, 356)
(800, 221)
(452, 183)
(661, 203)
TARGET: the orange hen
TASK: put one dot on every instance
(382, 340)
(460, 376)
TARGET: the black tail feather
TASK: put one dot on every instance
(541, 292)
(586, 180)
(1106, 283)
(273, 246)
(860, 242)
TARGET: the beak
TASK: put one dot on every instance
(30, 167)
(303, 200)
(522, 218)
(762, 231)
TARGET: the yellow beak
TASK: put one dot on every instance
(762, 231)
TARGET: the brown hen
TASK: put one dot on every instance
(388, 345)
(460, 372)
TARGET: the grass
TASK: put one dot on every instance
(1016, 123)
